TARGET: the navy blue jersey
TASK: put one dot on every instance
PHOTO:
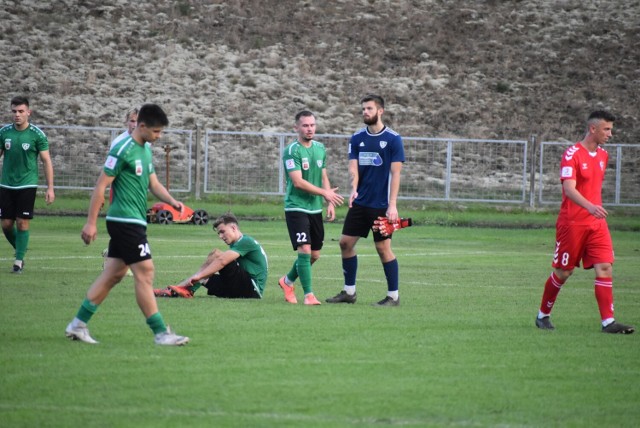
(374, 153)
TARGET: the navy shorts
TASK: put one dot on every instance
(128, 242)
(305, 229)
(359, 221)
(17, 203)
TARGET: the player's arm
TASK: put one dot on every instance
(327, 193)
(353, 179)
(161, 192)
(90, 230)
(47, 165)
(569, 187)
(221, 259)
(331, 204)
(394, 190)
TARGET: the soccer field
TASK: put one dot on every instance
(461, 350)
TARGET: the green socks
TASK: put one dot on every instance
(304, 271)
(86, 311)
(10, 234)
(156, 323)
(22, 240)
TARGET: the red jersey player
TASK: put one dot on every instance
(582, 233)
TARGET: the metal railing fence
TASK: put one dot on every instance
(436, 169)
(622, 181)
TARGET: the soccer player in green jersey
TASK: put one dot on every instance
(21, 144)
(237, 273)
(307, 186)
(129, 170)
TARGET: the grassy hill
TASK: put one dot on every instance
(485, 69)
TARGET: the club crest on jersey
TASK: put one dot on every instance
(25, 146)
(383, 144)
(601, 165)
(7, 144)
(319, 163)
(138, 167)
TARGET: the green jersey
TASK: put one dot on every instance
(21, 149)
(131, 164)
(252, 259)
(311, 162)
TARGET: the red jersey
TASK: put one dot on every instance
(587, 169)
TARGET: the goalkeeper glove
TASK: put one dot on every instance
(386, 228)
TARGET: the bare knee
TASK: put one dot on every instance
(562, 274)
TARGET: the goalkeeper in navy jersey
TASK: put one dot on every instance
(376, 155)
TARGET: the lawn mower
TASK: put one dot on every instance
(164, 213)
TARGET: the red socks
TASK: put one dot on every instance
(551, 289)
(604, 296)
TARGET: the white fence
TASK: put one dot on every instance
(436, 169)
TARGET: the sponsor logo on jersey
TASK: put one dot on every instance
(25, 146)
(369, 159)
(305, 163)
(111, 162)
(138, 167)
(567, 172)
(362, 144)
(585, 166)
(290, 164)
(383, 144)
(7, 144)
(570, 152)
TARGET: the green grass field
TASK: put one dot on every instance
(461, 350)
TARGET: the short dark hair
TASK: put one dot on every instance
(19, 100)
(601, 115)
(226, 218)
(375, 98)
(304, 113)
(152, 115)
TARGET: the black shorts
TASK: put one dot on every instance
(359, 221)
(128, 242)
(305, 229)
(232, 282)
(17, 203)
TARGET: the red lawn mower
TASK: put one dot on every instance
(164, 213)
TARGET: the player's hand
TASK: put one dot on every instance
(332, 197)
(598, 212)
(352, 198)
(49, 196)
(89, 233)
(179, 206)
(331, 212)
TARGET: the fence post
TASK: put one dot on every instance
(532, 170)
(167, 150)
(197, 160)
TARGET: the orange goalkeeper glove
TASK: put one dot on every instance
(386, 228)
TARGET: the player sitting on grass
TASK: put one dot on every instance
(237, 273)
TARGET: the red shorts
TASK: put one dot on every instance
(590, 243)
